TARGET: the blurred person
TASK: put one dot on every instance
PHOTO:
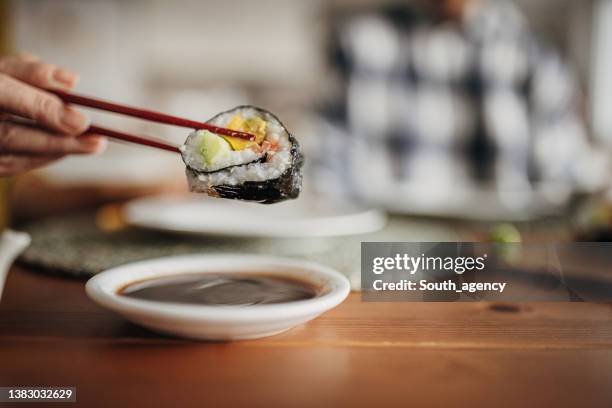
(52, 127)
(438, 98)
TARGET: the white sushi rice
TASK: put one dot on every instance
(274, 166)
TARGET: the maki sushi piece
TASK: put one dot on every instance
(265, 170)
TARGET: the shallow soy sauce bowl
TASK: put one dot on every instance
(218, 322)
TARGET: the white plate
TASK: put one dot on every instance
(208, 216)
(218, 322)
(465, 202)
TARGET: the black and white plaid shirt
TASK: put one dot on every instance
(435, 110)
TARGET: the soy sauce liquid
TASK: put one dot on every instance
(221, 289)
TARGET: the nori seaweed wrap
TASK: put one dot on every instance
(266, 170)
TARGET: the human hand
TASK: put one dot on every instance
(56, 126)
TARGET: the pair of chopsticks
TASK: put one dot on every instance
(146, 115)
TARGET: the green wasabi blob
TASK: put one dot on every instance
(213, 147)
(505, 233)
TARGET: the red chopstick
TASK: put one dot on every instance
(147, 115)
(147, 141)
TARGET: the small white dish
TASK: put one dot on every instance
(304, 217)
(218, 322)
(12, 243)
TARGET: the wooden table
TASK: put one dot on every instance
(360, 354)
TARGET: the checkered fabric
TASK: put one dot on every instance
(424, 105)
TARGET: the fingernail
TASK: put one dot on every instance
(64, 78)
(93, 144)
(74, 120)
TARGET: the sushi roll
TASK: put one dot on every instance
(266, 170)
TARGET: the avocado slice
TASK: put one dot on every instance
(213, 147)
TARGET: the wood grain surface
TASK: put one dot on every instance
(360, 354)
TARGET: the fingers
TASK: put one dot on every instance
(47, 109)
(29, 69)
(21, 139)
(19, 98)
(26, 56)
(24, 147)
(14, 164)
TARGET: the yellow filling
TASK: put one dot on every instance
(254, 125)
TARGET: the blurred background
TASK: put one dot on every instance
(478, 110)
